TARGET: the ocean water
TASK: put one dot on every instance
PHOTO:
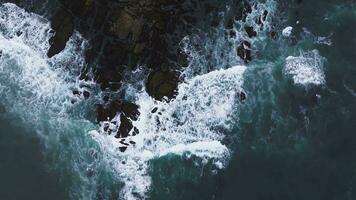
(292, 138)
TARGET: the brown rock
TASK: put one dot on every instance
(162, 84)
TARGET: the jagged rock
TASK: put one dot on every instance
(154, 110)
(125, 127)
(109, 111)
(135, 131)
(162, 84)
(250, 31)
(122, 149)
(242, 96)
(62, 24)
(244, 51)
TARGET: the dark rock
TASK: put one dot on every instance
(62, 24)
(122, 149)
(125, 127)
(76, 92)
(106, 98)
(135, 131)
(162, 84)
(132, 142)
(124, 143)
(154, 110)
(274, 35)
(264, 16)
(109, 111)
(86, 94)
(106, 127)
(130, 110)
(104, 114)
(244, 51)
(250, 31)
(242, 96)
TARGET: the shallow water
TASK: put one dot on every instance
(292, 138)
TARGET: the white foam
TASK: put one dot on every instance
(42, 85)
(196, 121)
(286, 32)
(192, 124)
(306, 69)
(38, 90)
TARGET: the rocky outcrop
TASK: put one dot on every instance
(161, 84)
(63, 27)
(125, 34)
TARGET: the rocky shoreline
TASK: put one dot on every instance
(130, 33)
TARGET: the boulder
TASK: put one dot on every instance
(161, 84)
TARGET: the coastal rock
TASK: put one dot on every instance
(162, 84)
(62, 24)
(110, 110)
(244, 51)
(250, 31)
(125, 127)
(122, 24)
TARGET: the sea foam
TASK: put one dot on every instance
(306, 69)
(192, 124)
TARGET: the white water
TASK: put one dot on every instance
(39, 90)
(188, 125)
(196, 121)
(306, 69)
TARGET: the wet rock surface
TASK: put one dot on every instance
(63, 27)
(126, 34)
(162, 85)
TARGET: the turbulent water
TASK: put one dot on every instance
(292, 138)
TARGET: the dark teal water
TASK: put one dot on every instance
(289, 145)
(23, 169)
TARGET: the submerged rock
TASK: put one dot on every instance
(125, 127)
